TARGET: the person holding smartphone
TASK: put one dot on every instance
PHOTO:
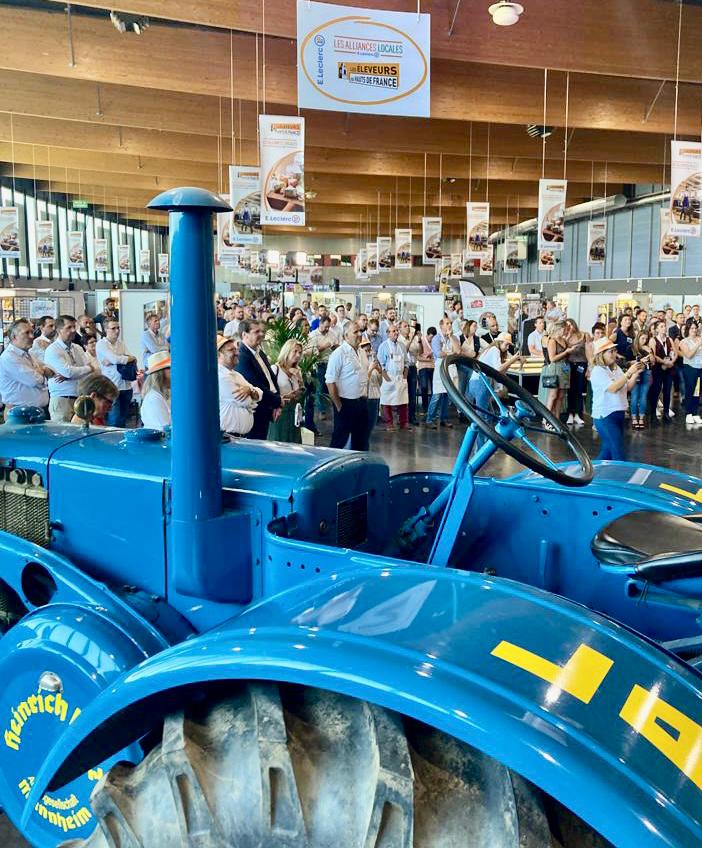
(665, 352)
(639, 393)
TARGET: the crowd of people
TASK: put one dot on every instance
(361, 369)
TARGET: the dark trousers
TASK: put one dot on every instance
(262, 420)
(321, 385)
(401, 414)
(611, 430)
(310, 391)
(412, 391)
(425, 376)
(351, 420)
(691, 375)
(373, 412)
(662, 380)
(117, 416)
(578, 384)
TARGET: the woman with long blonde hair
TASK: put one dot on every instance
(286, 427)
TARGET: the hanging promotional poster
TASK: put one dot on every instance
(46, 250)
(487, 261)
(124, 259)
(362, 264)
(245, 200)
(371, 258)
(456, 266)
(256, 262)
(403, 248)
(511, 263)
(477, 225)
(431, 240)
(669, 249)
(468, 264)
(9, 233)
(547, 260)
(226, 247)
(282, 141)
(163, 265)
(552, 200)
(442, 269)
(596, 242)
(685, 187)
(145, 261)
(76, 250)
(362, 60)
(101, 255)
(385, 254)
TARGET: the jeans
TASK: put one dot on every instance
(691, 376)
(438, 408)
(576, 390)
(412, 392)
(639, 394)
(425, 376)
(117, 416)
(611, 430)
(662, 380)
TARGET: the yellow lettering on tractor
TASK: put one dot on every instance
(580, 677)
(682, 492)
(681, 744)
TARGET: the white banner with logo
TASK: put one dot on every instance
(124, 259)
(487, 261)
(163, 265)
(511, 260)
(385, 254)
(403, 248)
(478, 308)
(145, 261)
(43, 306)
(685, 187)
(9, 233)
(477, 225)
(45, 246)
(226, 244)
(669, 249)
(362, 60)
(362, 264)
(245, 200)
(431, 240)
(596, 242)
(547, 260)
(552, 201)
(456, 266)
(371, 258)
(76, 249)
(101, 255)
(282, 142)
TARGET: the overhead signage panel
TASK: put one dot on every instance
(552, 200)
(685, 187)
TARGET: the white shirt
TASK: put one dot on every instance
(347, 372)
(109, 356)
(392, 357)
(490, 357)
(151, 343)
(534, 340)
(155, 411)
(322, 343)
(604, 403)
(39, 347)
(21, 382)
(231, 328)
(69, 361)
(235, 416)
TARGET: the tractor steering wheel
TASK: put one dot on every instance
(512, 418)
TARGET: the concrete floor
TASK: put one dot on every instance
(676, 446)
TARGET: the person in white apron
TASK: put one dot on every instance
(443, 344)
(392, 356)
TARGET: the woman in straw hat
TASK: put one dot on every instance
(156, 394)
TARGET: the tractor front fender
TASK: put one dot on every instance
(606, 722)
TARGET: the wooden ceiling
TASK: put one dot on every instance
(116, 118)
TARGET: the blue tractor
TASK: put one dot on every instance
(241, 643)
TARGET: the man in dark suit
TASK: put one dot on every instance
(254, 367)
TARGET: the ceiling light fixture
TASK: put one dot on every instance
(539, 131)
(129, 23)
(505, 13)
(450, 180)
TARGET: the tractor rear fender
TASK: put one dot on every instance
(606, 722)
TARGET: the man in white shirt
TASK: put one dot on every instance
(553, 312)
(238, 399)
(47, 325)
(110, 353)
(535, 338)
(151, 339)
(22, 378)
(392, 356)
(341, 318)
(232, 327)
(67, 360)
(347, 382)
(386, 323)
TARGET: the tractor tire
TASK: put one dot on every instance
(288, 767)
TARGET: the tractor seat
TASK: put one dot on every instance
(659, 546)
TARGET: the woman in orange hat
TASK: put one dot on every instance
(156, 394)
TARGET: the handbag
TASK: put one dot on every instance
(550, 381)
(127, 371)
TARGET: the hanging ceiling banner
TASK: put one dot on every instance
(385, 254)
(669, 249)
(45, 246)
(685, 187)
(547, 260)
(226, 245)
(511, 263)
(245, 194)
(101, 255)
(403, 248)
(282, 142)
(487, 261)
(163, 265)
(596, 242)
(477, 224)
(76, 250)
(9, 233)
(362, 264)
(124, 259)
(371, 258)
(431, 240)
(145, 261)
(362, 60)
(552, 200)
(456, 266)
